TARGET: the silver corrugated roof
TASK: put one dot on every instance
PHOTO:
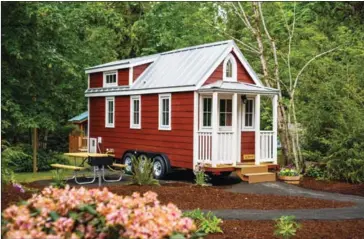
(238, 87)
(184, 67)
(125, 62)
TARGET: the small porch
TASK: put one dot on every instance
(228, 126)
(77, 139)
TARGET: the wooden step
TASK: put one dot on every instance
(244, 169)
(259, 177)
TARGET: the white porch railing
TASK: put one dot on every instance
(266, 146)
(225, 147)
(224, 150)
(204, 147)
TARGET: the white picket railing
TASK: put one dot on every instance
(225, 147)
(204, 147)
(266, 146)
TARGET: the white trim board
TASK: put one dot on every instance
(161, 97)
(119, 66)
(107, 124)
(132, 99)
(142, 91)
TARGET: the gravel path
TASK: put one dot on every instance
(279, 188)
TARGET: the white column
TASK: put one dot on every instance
(238, 157)
(275, 126)
(215, 128)
(257, 129)
(234, 125)
(195, 129)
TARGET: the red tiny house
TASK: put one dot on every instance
(177, 143)
(197, 105)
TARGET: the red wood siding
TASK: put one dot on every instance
(177, 143)
(138, 70)
(216, 75)
(96, 80)
(247, 143)
(242, 74)
(123, 76)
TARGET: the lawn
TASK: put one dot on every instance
(31, 177)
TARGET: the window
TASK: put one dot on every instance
(248, 114)
(109, 112)
(225, 112)
(135, 112)
(230, 68)
(206, 111)
(110, 78)
(165, 112)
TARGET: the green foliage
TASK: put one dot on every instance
(315, 172)
(143, 172)
(206, 222)
(58, 179)
(20, 159)
(288, 171)
(201, 178)
(286, 227)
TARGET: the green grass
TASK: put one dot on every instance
(31, 177)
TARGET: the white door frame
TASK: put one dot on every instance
(93, 145)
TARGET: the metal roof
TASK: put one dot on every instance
(185, 67)
(80, 117)
(125, 62)
(239, 87)
(182, 68)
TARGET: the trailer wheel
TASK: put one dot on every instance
(159, 168)
(128, 160)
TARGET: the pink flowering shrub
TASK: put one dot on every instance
(82, 213)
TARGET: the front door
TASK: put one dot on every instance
(93, 145)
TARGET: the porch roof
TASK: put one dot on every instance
(238, 87)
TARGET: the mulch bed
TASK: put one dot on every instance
(333, 186)
(343, 229)
(187, 196)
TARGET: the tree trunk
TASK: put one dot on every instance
(35, 149)
(45, 139)
(284, 135)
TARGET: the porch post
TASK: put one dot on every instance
(234, 125)
(275, 126)
(257, 129)
(215, 127)
(195, 129)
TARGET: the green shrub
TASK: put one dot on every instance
(142, 172)
(20, 158)
(206, 223)
(286, 227)
(315, 172)
(58, 179)
(350, 170)
(201, 178)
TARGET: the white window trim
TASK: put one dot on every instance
(131, 75)
(223, 97)
(160, 126)
(110, 73)
(107, 124)
(202, 127)
(132, 99)
(234, 68)
(248, 128)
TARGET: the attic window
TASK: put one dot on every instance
(110, 78)
(229, 68)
